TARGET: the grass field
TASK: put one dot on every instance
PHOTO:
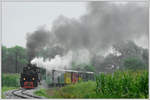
(127, 84)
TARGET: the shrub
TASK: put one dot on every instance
(10, 80)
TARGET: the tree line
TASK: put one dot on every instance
(13, 59)
(127, 55)
(131, 57)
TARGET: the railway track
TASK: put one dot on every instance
(20, 93)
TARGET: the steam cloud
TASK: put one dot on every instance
(56, 63)
(104, 24)
(63, 62)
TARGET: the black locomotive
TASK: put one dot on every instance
(29, 77)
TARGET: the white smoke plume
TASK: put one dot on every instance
(63, 62)
(58, 62)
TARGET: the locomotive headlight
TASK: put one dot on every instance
(33, 78)
(24, 78)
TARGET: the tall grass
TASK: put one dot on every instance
(78, 90)
(10, 80)
(127, 84)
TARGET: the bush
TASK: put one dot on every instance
(10, 80)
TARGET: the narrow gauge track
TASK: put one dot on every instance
(29, 95)
(21, 94)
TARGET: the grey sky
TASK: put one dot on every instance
(20, 18)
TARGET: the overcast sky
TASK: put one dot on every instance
(20, 18)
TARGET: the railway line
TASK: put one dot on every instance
(21, 93)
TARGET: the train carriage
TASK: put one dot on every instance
(66, 77)
(74, 77)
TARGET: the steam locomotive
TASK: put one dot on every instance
(30, 77)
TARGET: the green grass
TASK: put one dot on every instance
(10, 80)
(79, 90)
(122, 84)
(70, 91)
(42, 92)
(4, 89)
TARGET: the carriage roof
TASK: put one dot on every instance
(73, 71)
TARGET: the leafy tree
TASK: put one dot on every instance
(145, 56)
(83, 67)
(89, 68)
(4, 57)
(121, 52)
(13, 59)
(129, 50)
(133, 63)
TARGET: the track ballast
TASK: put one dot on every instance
(21, 94)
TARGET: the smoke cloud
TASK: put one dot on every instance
(37, 40)
(57, 63)
(63, 62)
(104, 24)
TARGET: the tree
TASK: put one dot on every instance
(146, 57)
(4, 57)
(89, 68)
(121, 52)
(13, 59)
(134, 63)
(129, 50)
